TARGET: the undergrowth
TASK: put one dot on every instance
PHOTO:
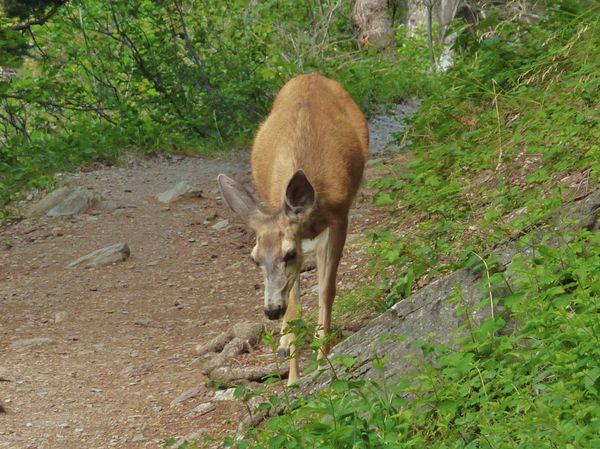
(183, 82)
(507, 135)
(535, 386)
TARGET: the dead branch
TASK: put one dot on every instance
(40, 20)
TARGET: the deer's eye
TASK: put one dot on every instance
(290, 256)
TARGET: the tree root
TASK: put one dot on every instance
(249, 332)
(228, 376)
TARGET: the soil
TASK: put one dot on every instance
(93, 358)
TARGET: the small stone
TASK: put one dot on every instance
(182, 189)
(220, 225)
(202, 407)
(192, 240)
(225, 395)
(103, 256)
(108, 205)
(144, 322)
(59, 317)
(138, 437)
(188, 394)
(29, 342)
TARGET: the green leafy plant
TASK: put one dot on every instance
(535, 383)
(504, 138)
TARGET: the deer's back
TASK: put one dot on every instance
(315, 126)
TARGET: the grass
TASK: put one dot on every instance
(496, 149)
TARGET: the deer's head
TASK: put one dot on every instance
(278, 249)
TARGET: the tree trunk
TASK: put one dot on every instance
(372, 20)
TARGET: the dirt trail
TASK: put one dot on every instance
(116, 344)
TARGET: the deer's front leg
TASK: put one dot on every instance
(329, 253)
(286, 343)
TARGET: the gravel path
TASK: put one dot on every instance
(93, 358)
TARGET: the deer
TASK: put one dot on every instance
(307, 163)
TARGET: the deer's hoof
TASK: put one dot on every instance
(283, 353)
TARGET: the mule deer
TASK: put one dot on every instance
(307, 161)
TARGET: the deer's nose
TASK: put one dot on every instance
(274, 313)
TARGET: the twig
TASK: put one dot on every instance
(489, 282)
(40, 20)
(500, 148)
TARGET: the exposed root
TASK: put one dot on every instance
(249, 332)
(232, 349)
(228, 376)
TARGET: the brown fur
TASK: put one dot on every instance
(315, 126)
(307, 163)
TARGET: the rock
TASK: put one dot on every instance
(108, 205)
(135, 370)
(200, 409)
(220, 225)
(138, 437)
(225, 395)
(193, 436)
(59, 317)
(68, 201)
(48, 202)
(79, 200)
(104, 256)
(430, 314)
(4, 376)
(29, 342)
(188, 394)
(182, 189)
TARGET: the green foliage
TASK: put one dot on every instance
(538, 386)
(181, 75)
(506, 136)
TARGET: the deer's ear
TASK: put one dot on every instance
(299, 195)
(237, 197)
